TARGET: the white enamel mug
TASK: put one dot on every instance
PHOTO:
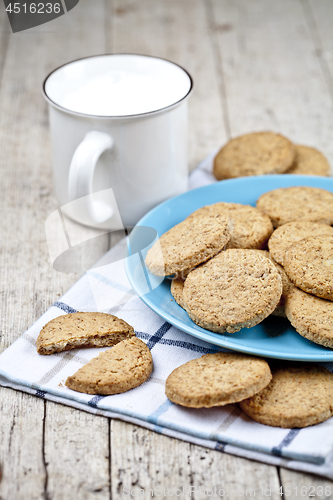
(119, 136)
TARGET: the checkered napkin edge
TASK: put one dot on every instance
(226, 429)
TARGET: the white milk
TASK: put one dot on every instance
(123, 85)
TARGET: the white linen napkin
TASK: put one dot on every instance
(106, 288)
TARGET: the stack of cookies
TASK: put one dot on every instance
(226, 279)
(223, 278)
(261, 153)
(303, 244)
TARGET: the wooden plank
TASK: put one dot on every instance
(177, 31)
(272, 76)
(238, 477)
(169, 467)
(143, 460)
(26, 275)
(76, 454)
(22, 473)
(297, 485)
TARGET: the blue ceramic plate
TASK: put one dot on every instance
(274, 337)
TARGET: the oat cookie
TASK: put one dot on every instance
(82, 329)
(125, 366)
(217, 379)
(251, 227)
(176, 289)
(297, 203)
(257, 153)
(286, 286)
(311, 316)
(188, 244)
(236, 289)
(299, 395)
(285, 236)
(309, 161)
(309, 265)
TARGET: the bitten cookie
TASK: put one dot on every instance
(311, 316)
(299, 395)
(251, 227)
(297, 203)
(82, 329)
(257, 153)
(309, 265)
(117, 370)
(236, 289)
(188, 244)
(286, 235)
(176, 289)
(217, 379)
(309, 161)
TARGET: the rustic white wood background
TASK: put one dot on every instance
(256, 64)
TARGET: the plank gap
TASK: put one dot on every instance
(5, 33)
(46, 495)
(106, 6)
(191, 471)
(217, 57)
(280, 482)
(4, 42)
(318, 45)
(109, 26)
(110, 458)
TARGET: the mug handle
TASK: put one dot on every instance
(80, 178)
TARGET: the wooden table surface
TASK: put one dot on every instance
(257, 65)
